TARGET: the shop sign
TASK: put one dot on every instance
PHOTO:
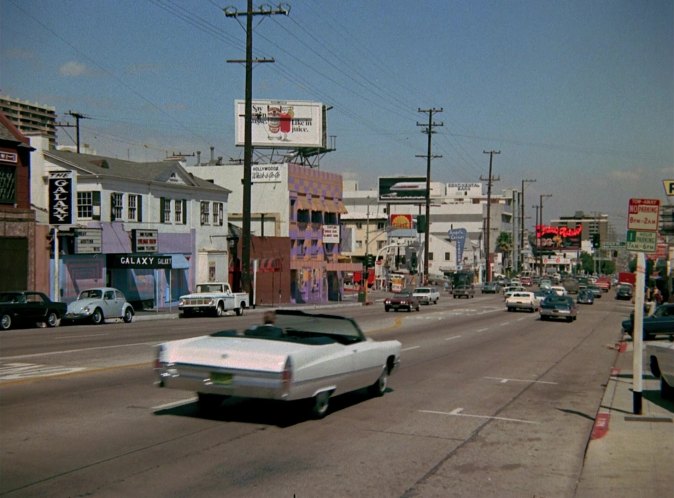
(139, 262)
(61, 191)
(144, 240)
(88, 241)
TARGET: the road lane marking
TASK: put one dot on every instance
(503, 324)
(452, 338)
(504, 380)
(482, 330)
(51, 353)
(458, 412)
(175, 404)
(79, 336)
(14, 371)
(411, 348)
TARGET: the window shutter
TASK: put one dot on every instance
(184, 211)
(162, 205)
(139, 207)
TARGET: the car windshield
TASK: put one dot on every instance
(91, 294)
(422, 290)
(330, 325)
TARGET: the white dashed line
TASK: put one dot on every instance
(458, 413)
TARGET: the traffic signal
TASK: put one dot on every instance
(421, 223)
(369, 260)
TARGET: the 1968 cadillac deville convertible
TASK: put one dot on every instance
(301, 357)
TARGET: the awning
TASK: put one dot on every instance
(317, 205)
(340, 207)
(179, 262)
(335, 206)
(268, 265)
(303, 203)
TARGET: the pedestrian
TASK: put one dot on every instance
(269, 317)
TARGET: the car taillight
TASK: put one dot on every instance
(287, 376)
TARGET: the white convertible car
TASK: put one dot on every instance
(302, 356)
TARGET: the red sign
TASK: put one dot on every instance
(643, 215)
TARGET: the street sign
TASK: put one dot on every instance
(643, 214)
(669, 187)
(639, 241)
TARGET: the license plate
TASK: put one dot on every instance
(221, 378)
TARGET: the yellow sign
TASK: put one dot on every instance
(669, 187)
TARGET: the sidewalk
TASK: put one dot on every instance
(630, 455)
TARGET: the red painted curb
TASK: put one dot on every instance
(600, 425)
(622, 347)
(615, 372)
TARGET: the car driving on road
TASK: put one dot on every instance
(99, 304)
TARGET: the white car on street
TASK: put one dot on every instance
(302, 356)
(521, 300)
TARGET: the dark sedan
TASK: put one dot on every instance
(29, 307)
(661, 322)
(624, 292)
(404, 300)
(555, 306)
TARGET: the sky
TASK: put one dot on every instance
(576, 94)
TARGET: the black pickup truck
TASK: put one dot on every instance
(29, 307)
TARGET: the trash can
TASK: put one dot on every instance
(361, 295)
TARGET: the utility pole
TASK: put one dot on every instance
(248, 127)
(77, 117)
(542, 196)
(490, 180)
(524, 180)
(429, 131)
(538, 240)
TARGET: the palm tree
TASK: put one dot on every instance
(504, 244)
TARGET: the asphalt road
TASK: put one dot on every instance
(486, 403)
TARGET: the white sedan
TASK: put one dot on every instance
(302, 356)
(521, 300)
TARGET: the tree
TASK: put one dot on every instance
(504, 244)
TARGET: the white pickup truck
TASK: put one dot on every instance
(214, 298)
(427, 295)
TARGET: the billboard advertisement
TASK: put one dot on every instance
(402, 189)
(281, 123)
(400, 222)
(551, 238)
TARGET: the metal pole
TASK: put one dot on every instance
(637, 334)
(56, 290)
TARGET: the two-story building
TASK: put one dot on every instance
(22, 240)
(303, 204)
(150, 229)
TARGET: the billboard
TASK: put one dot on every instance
(282, 123)
(400, 222)
(402, 189)
(558, 238)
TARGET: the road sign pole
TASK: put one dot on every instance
(637, 334)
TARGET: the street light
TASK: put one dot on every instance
(542, 196)
(525, 180)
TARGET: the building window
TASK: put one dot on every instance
(165, 210)
(205, 212)
(447, 256)
(132, 207)
(179, 212)
(430, 256)
(218, 214)
(85, 205)
(116, 206)
(359, 225)
(381, 225)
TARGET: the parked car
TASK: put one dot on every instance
(624, 292)
(29, 307)
(303, 356)
(521, 301)
(661, 322)
(405, 300)
(555, 306)
(99, 304)
(466, 291)
(427, 295)
(585, 297)
(661, 361)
